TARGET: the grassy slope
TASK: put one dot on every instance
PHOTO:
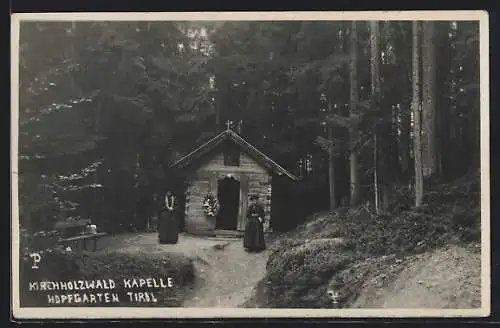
(362, 256)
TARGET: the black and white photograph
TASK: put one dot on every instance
(218, 165)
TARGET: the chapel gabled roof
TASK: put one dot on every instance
(232, 136)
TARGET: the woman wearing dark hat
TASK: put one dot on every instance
(253, 240)
(168, 229)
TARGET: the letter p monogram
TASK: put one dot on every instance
(36, 259)
(334, 296)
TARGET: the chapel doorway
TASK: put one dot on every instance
(228, 193)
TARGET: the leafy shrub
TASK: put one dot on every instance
(39, 241)
(302, 266)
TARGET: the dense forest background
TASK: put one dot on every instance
(360, 111)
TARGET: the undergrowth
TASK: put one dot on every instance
(59, 265)
(299, 272)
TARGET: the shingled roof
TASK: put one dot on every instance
(243, 144)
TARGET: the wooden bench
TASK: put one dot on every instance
(76, 231)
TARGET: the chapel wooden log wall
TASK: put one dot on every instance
(254, 180)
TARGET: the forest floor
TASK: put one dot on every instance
(225, 274)
(427, 257)
(410, 258)
(448, 277)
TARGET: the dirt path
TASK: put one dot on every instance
(225, 274)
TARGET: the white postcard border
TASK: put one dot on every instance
(215, 313)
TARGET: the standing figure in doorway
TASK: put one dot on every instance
(253, 240)
(168, 229)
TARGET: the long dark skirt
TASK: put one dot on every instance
(168, 229)
(254, 236)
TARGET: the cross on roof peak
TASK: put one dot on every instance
(228, 124)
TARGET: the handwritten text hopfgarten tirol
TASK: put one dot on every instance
(80, 292)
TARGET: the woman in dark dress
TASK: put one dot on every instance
(168, 229)
(253, 240)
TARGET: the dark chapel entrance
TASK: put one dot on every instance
(228, 193)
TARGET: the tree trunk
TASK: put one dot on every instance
(221, 101)
(429, 159)
(217, 116)
(442, 88)
(331, 171)
(375, 173)
(419, 188)
(403, 50)
(376, 96)
(353, 129)
(384, 165)
(404, 142)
